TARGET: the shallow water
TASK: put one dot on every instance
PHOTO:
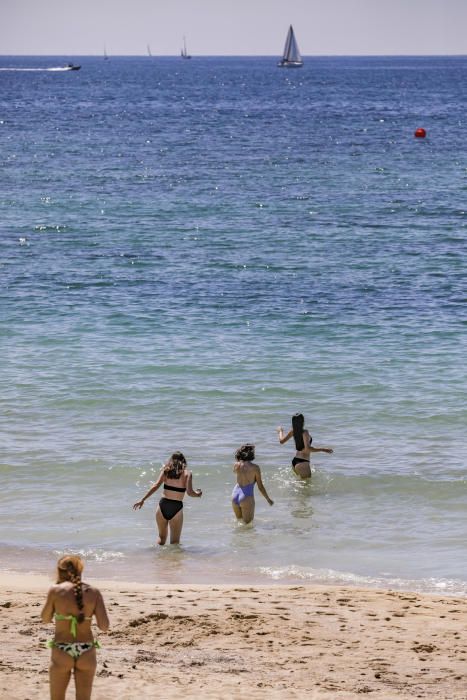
(191, 254)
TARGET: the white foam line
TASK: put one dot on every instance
(35, 70)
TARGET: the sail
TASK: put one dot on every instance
(184, 52)
(291, 56)
(287, 44)
(294, 51)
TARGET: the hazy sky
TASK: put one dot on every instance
(225, 27)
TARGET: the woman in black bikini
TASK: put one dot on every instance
(302, 438)
(176, 480)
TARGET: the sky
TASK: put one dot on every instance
(232, 27)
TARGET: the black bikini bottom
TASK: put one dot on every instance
(169, 507)
(299, 460)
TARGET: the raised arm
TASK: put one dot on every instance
(195, 493)
(329, 450)
(100, 612)
(49, 607)
(261, 487)
(139, 504)
(282, 436)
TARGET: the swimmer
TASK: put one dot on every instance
(303, 446)
(248, 474)
(176, 481)
(73, 604)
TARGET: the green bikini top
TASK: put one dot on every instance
(73, 622)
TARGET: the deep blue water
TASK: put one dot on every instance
(194, 250)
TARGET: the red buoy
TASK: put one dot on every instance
(420, 133)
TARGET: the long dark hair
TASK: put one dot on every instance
(175, 466)
(69, 568)
(245, 453)
(298, 421)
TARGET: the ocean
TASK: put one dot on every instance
(191, 252)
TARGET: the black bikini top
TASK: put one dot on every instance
(174, 488)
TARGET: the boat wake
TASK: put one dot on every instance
(58, 69)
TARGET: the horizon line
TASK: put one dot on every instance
(275, 55)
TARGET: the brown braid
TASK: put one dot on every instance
(73, 574)
(75, 578)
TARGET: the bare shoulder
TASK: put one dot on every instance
(87, 588)
(60, 591)
(54, 589)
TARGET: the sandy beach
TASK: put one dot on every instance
(255, 642)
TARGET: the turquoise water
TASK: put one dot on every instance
(194, 251)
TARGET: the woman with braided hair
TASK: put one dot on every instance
(73, 603)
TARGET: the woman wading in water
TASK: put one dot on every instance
(303, 446)
(176, 481)
(73, 603)
(248, 474)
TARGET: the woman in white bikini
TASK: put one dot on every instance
(73, 604)
(303, 446)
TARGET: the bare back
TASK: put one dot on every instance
(61, 600)
(180, 483)
(246, 472)
(306, 450)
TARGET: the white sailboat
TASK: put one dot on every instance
(149, 51)
(183, 52)
(291, 57)
(106, 58)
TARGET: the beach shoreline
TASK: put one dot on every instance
(275, 641)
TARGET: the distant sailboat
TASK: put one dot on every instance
(184, 53)
(291, 57)
(149, 51)
(106, 58)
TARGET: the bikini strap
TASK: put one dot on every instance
(73, 622)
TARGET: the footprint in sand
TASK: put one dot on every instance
(145, 620)
(424, 648)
